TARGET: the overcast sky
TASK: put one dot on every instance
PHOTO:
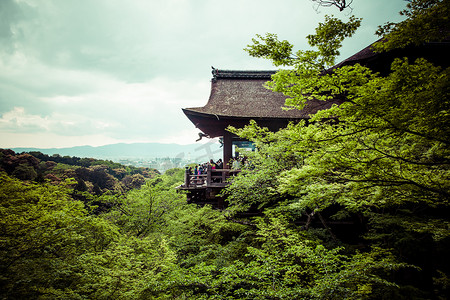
(96, 72)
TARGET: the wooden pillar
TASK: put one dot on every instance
(187, 177)
(208, 175)
(227, 149)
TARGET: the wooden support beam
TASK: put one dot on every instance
(227, 149)
(208, 175)
(187, 178)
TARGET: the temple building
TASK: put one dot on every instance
(236, 98)
(240, 96)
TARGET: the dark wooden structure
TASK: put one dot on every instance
(236, 98)
(434, 52)
(240, 96)
(204, 189)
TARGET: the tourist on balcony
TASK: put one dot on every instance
(196, 170)
(213, 165)
(219, 164)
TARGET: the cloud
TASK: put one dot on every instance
(17, 120)
(139, 40)
(142, 111)
(79, 71)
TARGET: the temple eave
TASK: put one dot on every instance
(215, 125)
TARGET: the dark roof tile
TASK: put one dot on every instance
(242, 94)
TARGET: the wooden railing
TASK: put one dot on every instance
(212, 178)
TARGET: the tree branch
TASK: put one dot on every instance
(340, 4)
(326, 226)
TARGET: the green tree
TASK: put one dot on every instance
(24, 172)
(431, 16)
(143, 211)
(382, 155)
(50, 248)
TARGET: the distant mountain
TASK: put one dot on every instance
(134, 150)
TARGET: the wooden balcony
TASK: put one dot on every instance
(213, 178)
(205, 188)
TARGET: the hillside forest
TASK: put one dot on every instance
(352, 204)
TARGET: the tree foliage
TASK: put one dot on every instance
(93, 176)
(145, 210)
(427, 21)
(52, 249)
(381, 156)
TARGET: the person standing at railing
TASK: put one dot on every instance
(219, 164)
(213, 165)
(196, 173)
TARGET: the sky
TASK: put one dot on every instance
(97, 72)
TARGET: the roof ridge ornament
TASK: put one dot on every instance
(242, 74)
(215, 73)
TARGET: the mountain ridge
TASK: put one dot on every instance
(124, 150)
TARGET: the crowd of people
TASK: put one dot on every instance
(201, 169)
(216, 168)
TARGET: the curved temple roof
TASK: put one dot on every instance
(238, 96)
(434, 52)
